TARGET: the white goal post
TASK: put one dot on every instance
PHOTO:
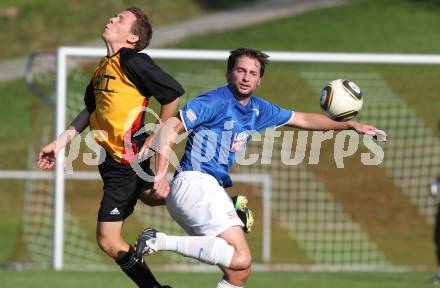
(63, 53)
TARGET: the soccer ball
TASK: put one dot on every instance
(341, 100)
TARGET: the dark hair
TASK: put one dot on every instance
(251, 53)
(141, 28)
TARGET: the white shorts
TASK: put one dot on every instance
(200, 205)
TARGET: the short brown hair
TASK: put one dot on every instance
(141, 28)
(251, 53)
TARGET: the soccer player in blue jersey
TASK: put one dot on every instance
(220, 123)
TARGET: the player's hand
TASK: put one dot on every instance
(369, 130)
(47, 156)
(145, 152)
(161, 188)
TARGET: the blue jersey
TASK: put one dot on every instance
(220, 127)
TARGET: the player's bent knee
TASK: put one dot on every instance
(241, 261)
(242, 258)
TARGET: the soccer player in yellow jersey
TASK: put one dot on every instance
(115, 103)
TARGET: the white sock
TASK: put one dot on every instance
(224, 284)
(208, 249)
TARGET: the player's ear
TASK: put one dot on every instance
(132, 39)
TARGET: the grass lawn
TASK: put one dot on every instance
(15, 120)
(397, 26)
(68, 279)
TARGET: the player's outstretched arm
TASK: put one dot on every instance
(162, 144)
(161, 187)
(315, 121)
(166, 112)
(47, 157)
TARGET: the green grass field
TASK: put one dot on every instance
(399, 26)
(364, 26)
(69, 279)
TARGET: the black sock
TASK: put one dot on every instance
(138, 271)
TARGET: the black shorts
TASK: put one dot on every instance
(122, 187)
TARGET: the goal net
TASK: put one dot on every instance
(324, 210)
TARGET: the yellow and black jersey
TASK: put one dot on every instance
(117, 96)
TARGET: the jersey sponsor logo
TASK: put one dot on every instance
(102, 81)
(191, 115)
(239, 141)
(115, 212)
